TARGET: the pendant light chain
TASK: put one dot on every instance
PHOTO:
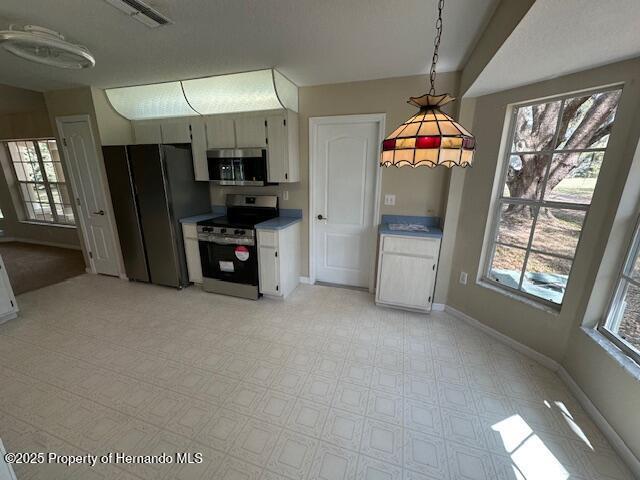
(436, 46)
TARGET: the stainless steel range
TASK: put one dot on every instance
(228, 251)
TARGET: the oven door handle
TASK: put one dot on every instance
(226, 243)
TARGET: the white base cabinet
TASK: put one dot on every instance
(279, 260)
(192, 252)
(407, 269)
(8, 304)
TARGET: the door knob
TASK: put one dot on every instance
(320, 217)
(101, 212)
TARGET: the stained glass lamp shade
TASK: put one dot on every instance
(429, 138)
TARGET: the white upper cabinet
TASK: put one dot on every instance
(251, 132)
(282, 132)
(220, 132)
(199, 149)
(147, 131)
(277, 131)
(176, 131)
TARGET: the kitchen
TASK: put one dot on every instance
(278, 282)
(247, 245)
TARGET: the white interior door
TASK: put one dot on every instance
(89, 191)
(344, 178)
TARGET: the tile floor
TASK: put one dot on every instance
(323, 386)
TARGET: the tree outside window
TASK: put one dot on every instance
(41, 181)
(556, 152)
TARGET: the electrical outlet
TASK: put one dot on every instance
(285, 195)
(463, 278)
(389, 199)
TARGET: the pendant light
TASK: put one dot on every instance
(430, 137)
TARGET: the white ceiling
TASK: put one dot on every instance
(310, 41)
(556, 38)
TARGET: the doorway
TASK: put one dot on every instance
(94, 212)
(344, 181)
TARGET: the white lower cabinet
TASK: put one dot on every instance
(8, 305)
(192, 252)
(279, 260)
(407, 269)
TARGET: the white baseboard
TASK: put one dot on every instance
(520, 347)
(305, 280)
(40, 242)
(617, 443)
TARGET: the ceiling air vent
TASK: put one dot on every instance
(141, 12)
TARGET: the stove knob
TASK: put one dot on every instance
(239, 232)
(223, 230)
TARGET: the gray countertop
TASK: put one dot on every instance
(278, 223)
(198, 218)
(431, 224)
(287, 218)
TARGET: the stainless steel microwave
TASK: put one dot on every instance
(237, 166)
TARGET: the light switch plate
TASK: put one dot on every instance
(285, 195)
(389, 199)
(463, 278)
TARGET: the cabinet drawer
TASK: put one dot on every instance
(190, 230)
(411, 246)
(267, 238)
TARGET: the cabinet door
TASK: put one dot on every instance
(199, 150)
(6, 296)
(278, 149)
(192, 252)
(406, 281)
(147, 132)
(175, 131)
(269, 270)
(220, 132)
(251, 132)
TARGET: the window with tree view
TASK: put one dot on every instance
(41, 181)
(556, 149)
(622, 324)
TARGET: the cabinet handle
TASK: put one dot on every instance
(320, 217)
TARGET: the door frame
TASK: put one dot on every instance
(314, 123)
(81, 225)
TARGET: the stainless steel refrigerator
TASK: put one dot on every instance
(152, 187)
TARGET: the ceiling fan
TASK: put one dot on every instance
(45, 46)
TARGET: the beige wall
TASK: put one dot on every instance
(554, 333)
(420, 191)
(113, 128)
(23, 114)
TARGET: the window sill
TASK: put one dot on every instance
(520, 298)
(631, 367)
(46, 224)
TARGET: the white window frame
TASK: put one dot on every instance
(615, 303)
(499, 200)
(45, 182)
